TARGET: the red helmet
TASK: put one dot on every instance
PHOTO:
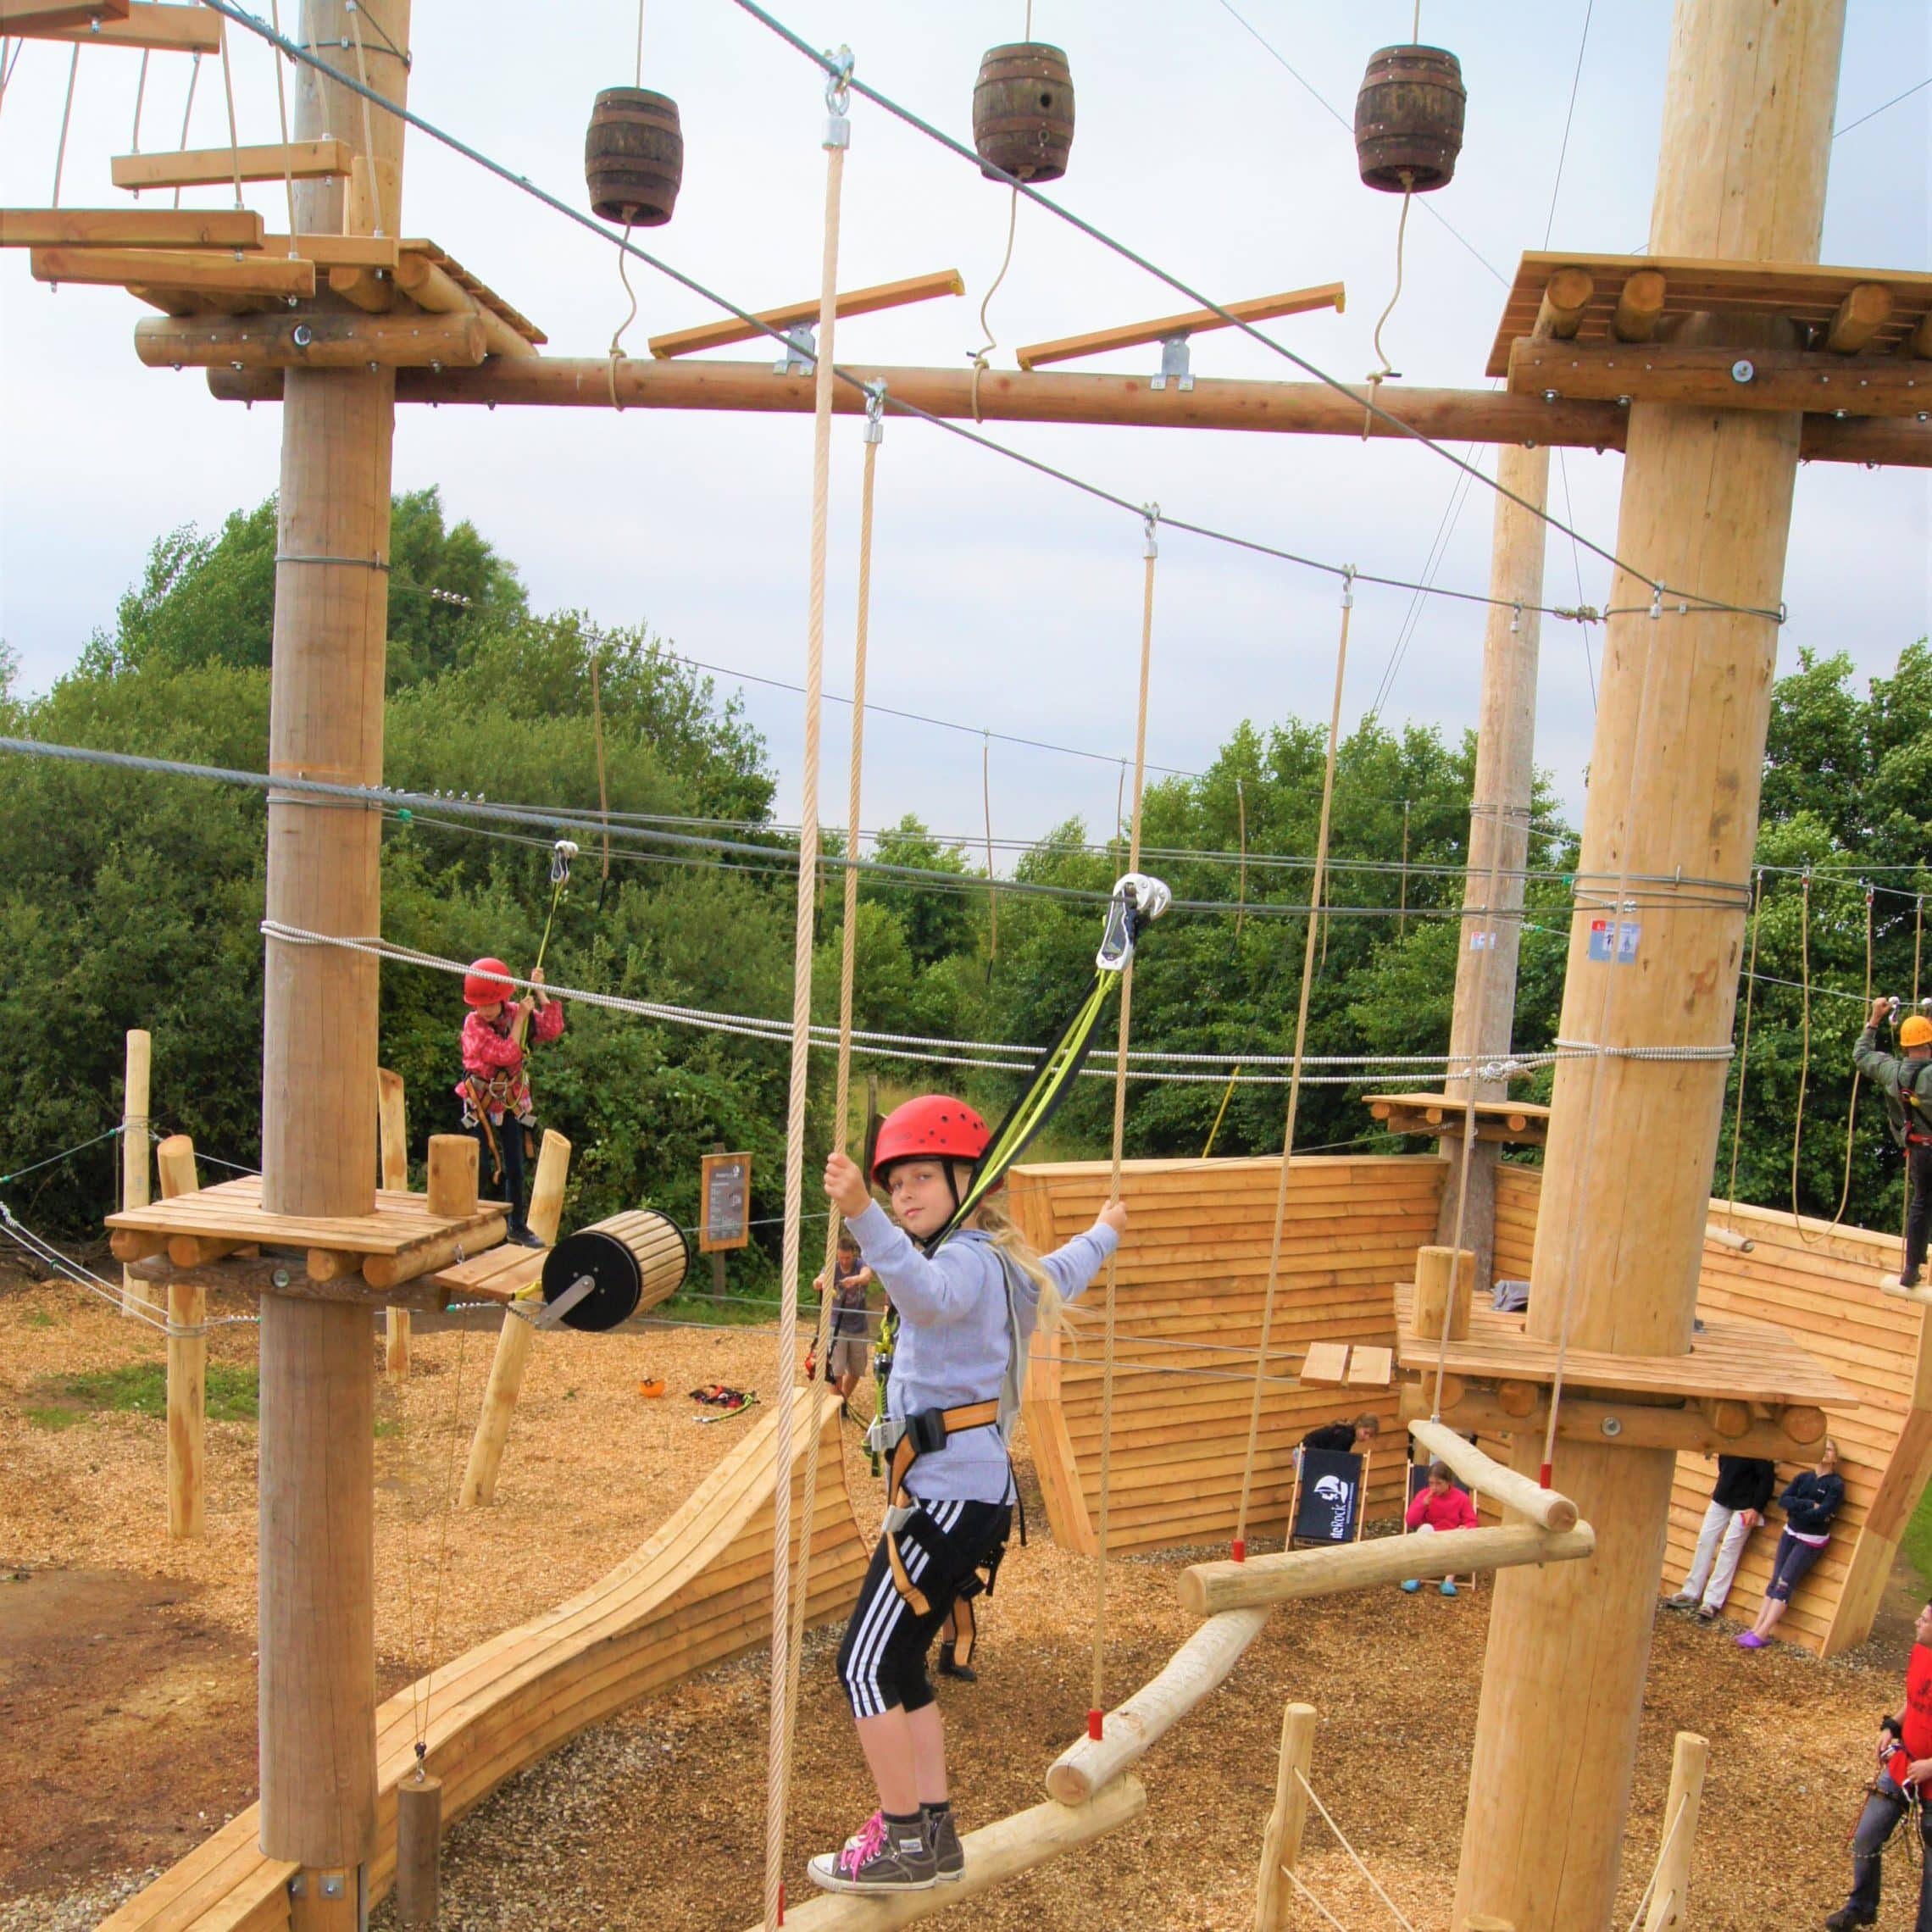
(935, 1127)
(487, 981)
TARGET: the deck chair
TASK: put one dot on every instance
(1418, 1482)
(1330, 1497)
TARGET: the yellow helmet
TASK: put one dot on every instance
(1915, 1031)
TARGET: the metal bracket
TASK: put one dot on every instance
(551, 1313)
(1174, 363)
(800, 350)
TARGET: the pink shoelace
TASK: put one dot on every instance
(864, 1846)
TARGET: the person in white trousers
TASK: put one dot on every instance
(1737, 1500)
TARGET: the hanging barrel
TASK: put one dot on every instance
(1023, 112)
(634, 1261)
(1409, 119)
(634, 157)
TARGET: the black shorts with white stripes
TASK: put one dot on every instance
(882, 1660)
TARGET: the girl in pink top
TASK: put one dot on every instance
(1441, 1506)
(495, 1086)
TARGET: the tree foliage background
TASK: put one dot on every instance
(132, 901)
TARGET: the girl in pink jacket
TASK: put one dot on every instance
(1440, 1505)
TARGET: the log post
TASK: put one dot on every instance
(392, 1145)
(454, 1165)
(514, 1341)
(135, 1168)
(418, 1849)
(1499, 837)
(187, 1367)
(317, 1626)
(1675, 774)
(1281, 1842)
(1670, 1890)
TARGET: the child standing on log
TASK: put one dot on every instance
(966, 1313)
(495, 1087)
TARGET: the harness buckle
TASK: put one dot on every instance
(928, 1431)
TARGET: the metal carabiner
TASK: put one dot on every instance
(1138, 899)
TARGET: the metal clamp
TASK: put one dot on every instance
(1173, 363)
(875, 412)
(838, 99)
(800, 350)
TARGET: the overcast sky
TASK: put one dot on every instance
(999, 598)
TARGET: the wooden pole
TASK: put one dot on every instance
(392, 1143)
(135, 1170)
(516, 1338)
(455, 1163)
(317, 1627)
(716, 1254)
(1670, 1890)
(187, 1367)
(1281, 1842)
(1499, 839)
(1674, 778)
(418, 1849)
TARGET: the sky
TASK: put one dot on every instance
(1001, 599)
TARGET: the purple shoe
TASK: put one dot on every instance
(1750, 1640)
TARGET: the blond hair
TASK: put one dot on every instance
(993, 1220)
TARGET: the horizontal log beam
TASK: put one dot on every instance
(210, 167)
(1209, 1588)
(1490, 1479)
(152, 29)
(433, 288)
(995, 1854)
(28, 18)
(313, 340)
(283, 1274)
(1281, 409)
(130, 228)
(1127, 1735)
(425, 1257)
(1726, 379)
(163, 269)
(1631, 1425)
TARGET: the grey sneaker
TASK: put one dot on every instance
(1683, 1600)
(943, 1834)
(878, 1858)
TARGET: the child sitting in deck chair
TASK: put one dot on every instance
(1439, 1505)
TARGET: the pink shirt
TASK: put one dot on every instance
(1452, 1512)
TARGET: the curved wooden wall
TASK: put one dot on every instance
(697, 1594)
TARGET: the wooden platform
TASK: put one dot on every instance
(697, 1594)
(399, 1242)
(1442, 1116)
(1804, 293)
(500, 1275)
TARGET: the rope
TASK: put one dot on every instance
(617, 334)
(281, 108)
(1150, 550)
(841, 1101)
(597, 740)
(1743, 1055)
(66, 116)
(368, 119)
(1402, 908)
(1315, 895)
(1804, 1057)
(1341, 1837)
(234, 139)
(1295, 1878)
(1657, 1870)
(1378, 376)
(140, 95)
(992, 892)
(779, 1764)
(639, 81)
(980, 355)
(188, 109)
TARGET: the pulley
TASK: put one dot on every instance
(1023, 112)
(634, 157)
(603, 1274)
(1409, 119)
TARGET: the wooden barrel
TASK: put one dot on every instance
(634, 157)
(635, 1261)
(1409, 119)
(1023, 112)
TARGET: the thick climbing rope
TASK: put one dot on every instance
(841, 1101)
(1295, 1880)
(992, 890)
(1378, 376)
(1150, 550)
(616, 350)
(281, 108)
(779, 1760)
(1744, 1049)
(66, 118)
(1318, 890)
(234, 137)
(1341, 1839)
(368, 119)
(1657, 1870)
(985, 349)
(188, 109)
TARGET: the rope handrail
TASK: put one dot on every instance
(1341, 1838)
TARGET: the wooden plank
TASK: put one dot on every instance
(130, 228)
(157, 268)
(211, 167)
(1327, 1363)
(141, 24)
(1370, 1367)
(1778, 378)
(29, 18)
(1192, 322)
(792, 315)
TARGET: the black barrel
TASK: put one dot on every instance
(1023, 112)
(634, 157)
(637, 1260)
(1409, 119)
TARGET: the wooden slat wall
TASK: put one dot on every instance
(1191, 1285)
(1820, 1285)
(698, 1593)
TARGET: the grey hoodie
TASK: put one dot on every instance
(953, 1347)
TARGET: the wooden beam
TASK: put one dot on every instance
(315, 340)
(1279, 408)
(1781, 379)
(130, 228)
(212, 167)
(338, 250)
(1207, 1590)
(29, 17)
(1194, 322)
(157, 268)
(434, 289)
(187, 1365)
(1919, 343)
(1127, 1735)
(1640, 306)
(1864, 311)
(1564, 299)
(137, 1165)
(151, 28)
(1281, 1841)
(1629, 1426)
(1547, 1508)
(859, 302)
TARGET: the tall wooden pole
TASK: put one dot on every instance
(316, 1605)
(136, 1166)
(1674, 779)
(1499, 837)
(188, 1366)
